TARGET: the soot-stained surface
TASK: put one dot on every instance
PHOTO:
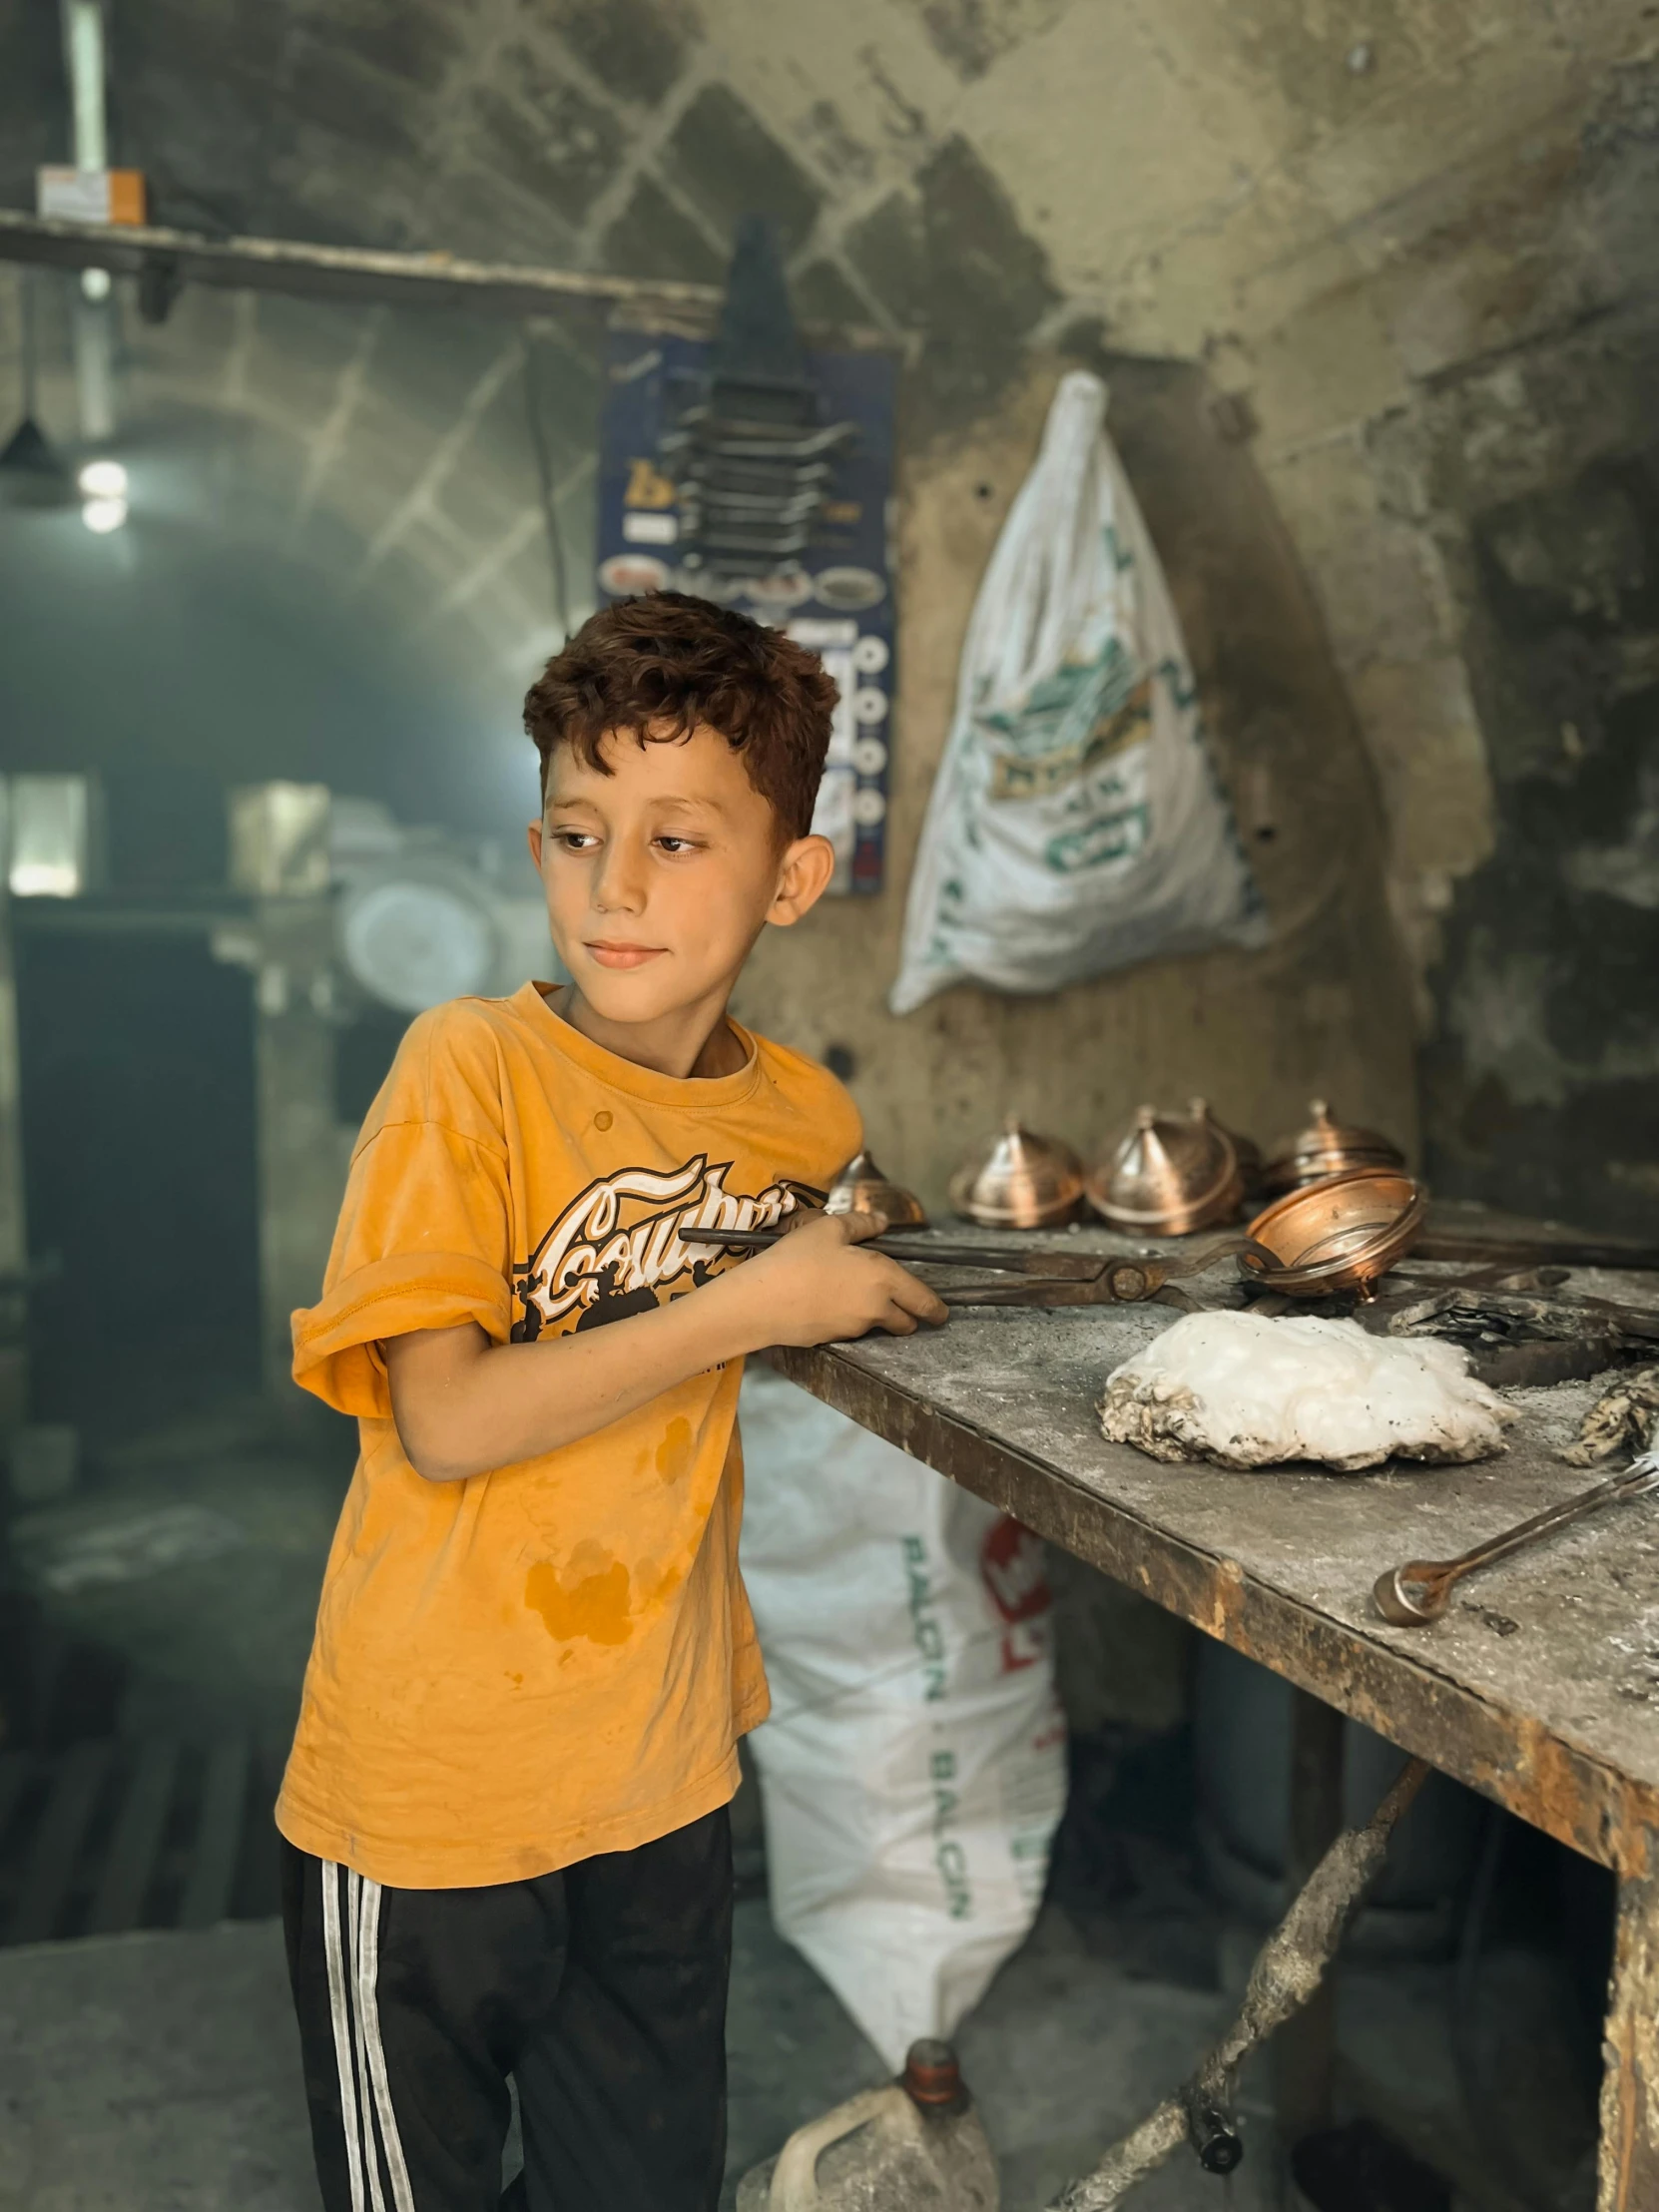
(1562, 1639)
(1539, 1074)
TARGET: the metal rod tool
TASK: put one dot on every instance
(1518, 1252)
(1418, 1594)
(1046, 1278)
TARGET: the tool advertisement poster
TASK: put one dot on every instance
(835, 596)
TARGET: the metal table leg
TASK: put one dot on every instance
(1304, 2049)
(1629, 2162)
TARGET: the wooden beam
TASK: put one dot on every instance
(165, 258)
(211, 1883)
(131, 1853)
(1628, 2179)
(353, 272)
(1304, 2049)
(54, 1855)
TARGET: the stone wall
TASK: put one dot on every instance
(1539, 1074)
(1413, 252)
(1326, 1007)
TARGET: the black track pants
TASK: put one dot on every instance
(600, 1988)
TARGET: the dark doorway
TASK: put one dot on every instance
(137, 1059)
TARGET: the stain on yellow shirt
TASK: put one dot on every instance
(553, 1659)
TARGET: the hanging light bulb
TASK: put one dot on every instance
(104, 515)
(103, 480)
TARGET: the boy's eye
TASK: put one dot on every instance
(677, 845)
(573, 841)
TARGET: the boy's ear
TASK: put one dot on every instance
(535, 845)
(803, 879)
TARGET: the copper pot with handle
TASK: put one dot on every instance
(1338, 1234)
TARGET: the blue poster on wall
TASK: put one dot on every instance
(833, 592)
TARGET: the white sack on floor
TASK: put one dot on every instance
(913, 1770)
(1248, 1392)
(1076, 822)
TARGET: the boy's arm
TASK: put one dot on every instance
(464, 1406)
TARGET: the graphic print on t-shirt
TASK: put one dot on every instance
(615, 1250)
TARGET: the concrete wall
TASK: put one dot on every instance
(1327, 1006)
(1414, 248)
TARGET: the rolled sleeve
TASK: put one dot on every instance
(336, 1344)
(424, 1242)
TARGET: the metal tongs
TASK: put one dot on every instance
(1047, 1278)
(1418, 1594)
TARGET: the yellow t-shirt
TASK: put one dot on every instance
(555, 1659)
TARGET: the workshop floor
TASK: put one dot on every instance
(155, 2071)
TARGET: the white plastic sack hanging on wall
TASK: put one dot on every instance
(1076, 824)
(913, 1770)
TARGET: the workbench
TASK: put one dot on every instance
(1541, 1689)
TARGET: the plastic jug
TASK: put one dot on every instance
(914, 2145)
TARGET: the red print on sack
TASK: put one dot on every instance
(1011, 1561)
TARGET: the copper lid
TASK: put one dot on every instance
(1018, 1181)
(1340, 1233)
(1327, 1147)
(1247, 1150)
(1171, 1174)
(861, 1188)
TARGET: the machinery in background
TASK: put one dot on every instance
(351, 924)
(420, 914)
(347, 925)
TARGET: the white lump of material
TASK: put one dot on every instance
(1247, 1392)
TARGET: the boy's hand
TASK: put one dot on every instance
(464, 1406)
(814, 1287)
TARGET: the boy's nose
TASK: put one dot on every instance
(619, 884)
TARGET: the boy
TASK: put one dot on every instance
(506, 1842)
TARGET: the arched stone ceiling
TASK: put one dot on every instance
(1339, 210)
(1415, 247)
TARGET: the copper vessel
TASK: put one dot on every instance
(1247, 1150)
(1171, 1175)
(861, 1188)
(1338, 1234)
(1018, 1181)
(1327, 1147)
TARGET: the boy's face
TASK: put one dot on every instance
(661, 874)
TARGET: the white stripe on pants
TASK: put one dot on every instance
(351, 1939)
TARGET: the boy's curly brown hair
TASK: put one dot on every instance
(663, 664)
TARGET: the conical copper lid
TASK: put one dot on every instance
(1171, 1174)
(1248, 1151)
(1018, 1181)
(1327, 1147)
(861, 1188)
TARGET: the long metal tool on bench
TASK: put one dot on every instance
(1419, 1593)
(1044, 1278)
(1520, 1251)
